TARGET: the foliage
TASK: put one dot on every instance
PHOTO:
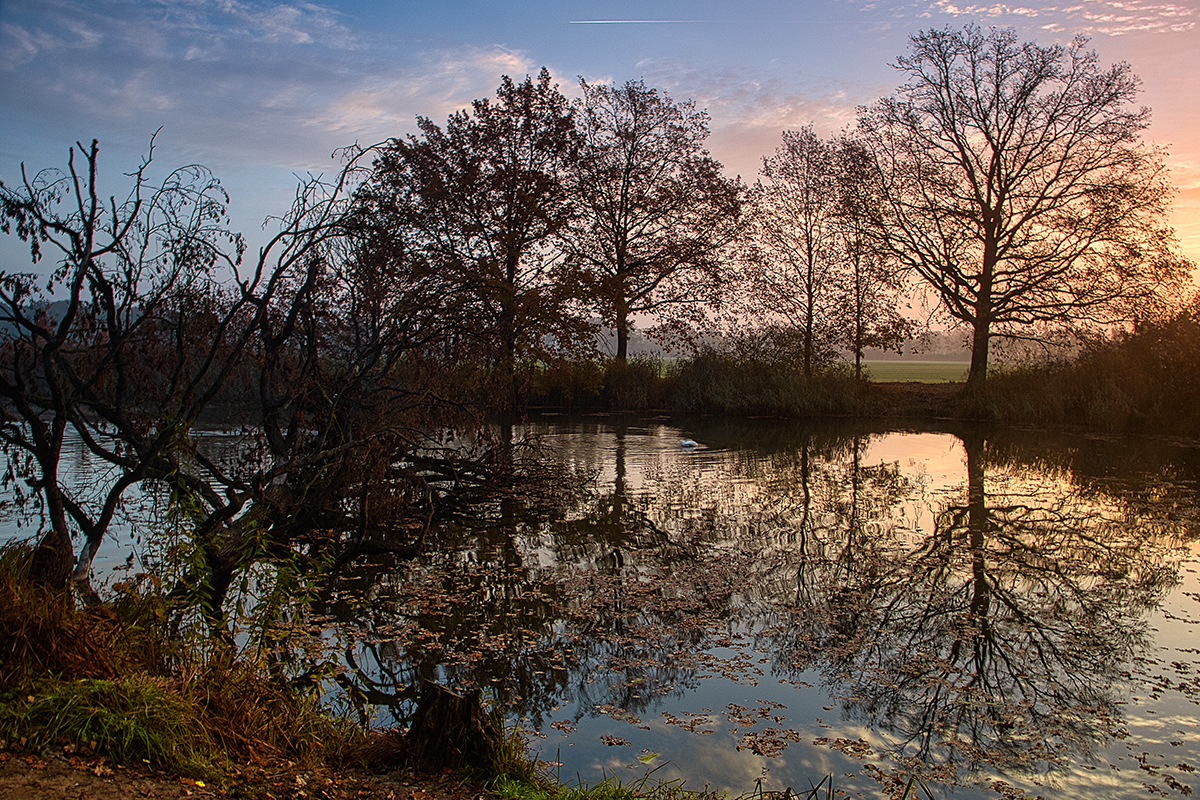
(1144, 379)
(567, 383)
(479, 204)
(655, 213)
(114, 681)
(1012, 180)
(638, 384)
(131, 720)
(41, 631)
(747, 380)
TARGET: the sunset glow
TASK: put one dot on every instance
(259, 91)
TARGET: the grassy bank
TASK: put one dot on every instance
(1143, 381)
(709, 383)
(722, 384)
(113, 682)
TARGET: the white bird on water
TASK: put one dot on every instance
(688, 444)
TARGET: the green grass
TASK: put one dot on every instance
(916, 371)
(133, 720)
(645, 788)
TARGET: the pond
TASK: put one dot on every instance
(1004, 612)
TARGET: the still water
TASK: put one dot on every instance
(1004, 612)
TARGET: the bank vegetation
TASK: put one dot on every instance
(362, 362)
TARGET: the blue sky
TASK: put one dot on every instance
(261, 91)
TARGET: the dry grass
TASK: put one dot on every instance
(111, 679)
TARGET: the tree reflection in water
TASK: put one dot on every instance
(980, 623)
(997, 636)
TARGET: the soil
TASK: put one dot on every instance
(68, 776)
(911, 399)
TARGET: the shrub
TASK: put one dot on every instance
(1147, 379)
(720, 383)
(113, 679)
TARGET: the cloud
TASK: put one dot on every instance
(441, 83)
(17, 46)
(1109, 17)
(749, 108)
(232, 81)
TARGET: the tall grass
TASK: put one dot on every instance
(720, 383)
(1146, 380)
(711, 382)
(112, 679)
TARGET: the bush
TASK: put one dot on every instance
(719, 383)
(112, 679)
(638, 384)
(567, 383)
(1147, 379)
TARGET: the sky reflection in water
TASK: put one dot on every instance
(788, 601)
(998, 609)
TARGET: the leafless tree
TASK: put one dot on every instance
(795, 251)
(316, 353)
(1014, 182)
(868, 308)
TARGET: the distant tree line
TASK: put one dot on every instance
(416, 290)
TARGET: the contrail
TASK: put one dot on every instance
(680, 21)
(627, 21)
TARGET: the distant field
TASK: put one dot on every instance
(920, 371)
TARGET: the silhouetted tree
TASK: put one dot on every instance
(483, 200)
(812, 270)
(98, 348)
(655, 211)
(867, 307)
(324, 351)
(1014, 182)
(795, 251)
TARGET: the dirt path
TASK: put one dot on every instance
(65, 776)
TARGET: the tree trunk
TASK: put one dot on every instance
(621, 310)
(982, 334)
(450, 730)
(622, 338)
(54, 559)
(979, 353)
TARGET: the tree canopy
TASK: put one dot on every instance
(655, 212)
(1014, 181)
(482, 202)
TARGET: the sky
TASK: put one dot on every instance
(261, 92)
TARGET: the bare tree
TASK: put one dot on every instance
(82, 351)
(318, 349)
(795, 253)
(655, 211)
(1013, 181)
(868, 309)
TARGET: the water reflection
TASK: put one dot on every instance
(969, 600)
(997, 636)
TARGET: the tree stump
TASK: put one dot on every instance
(450, 730)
